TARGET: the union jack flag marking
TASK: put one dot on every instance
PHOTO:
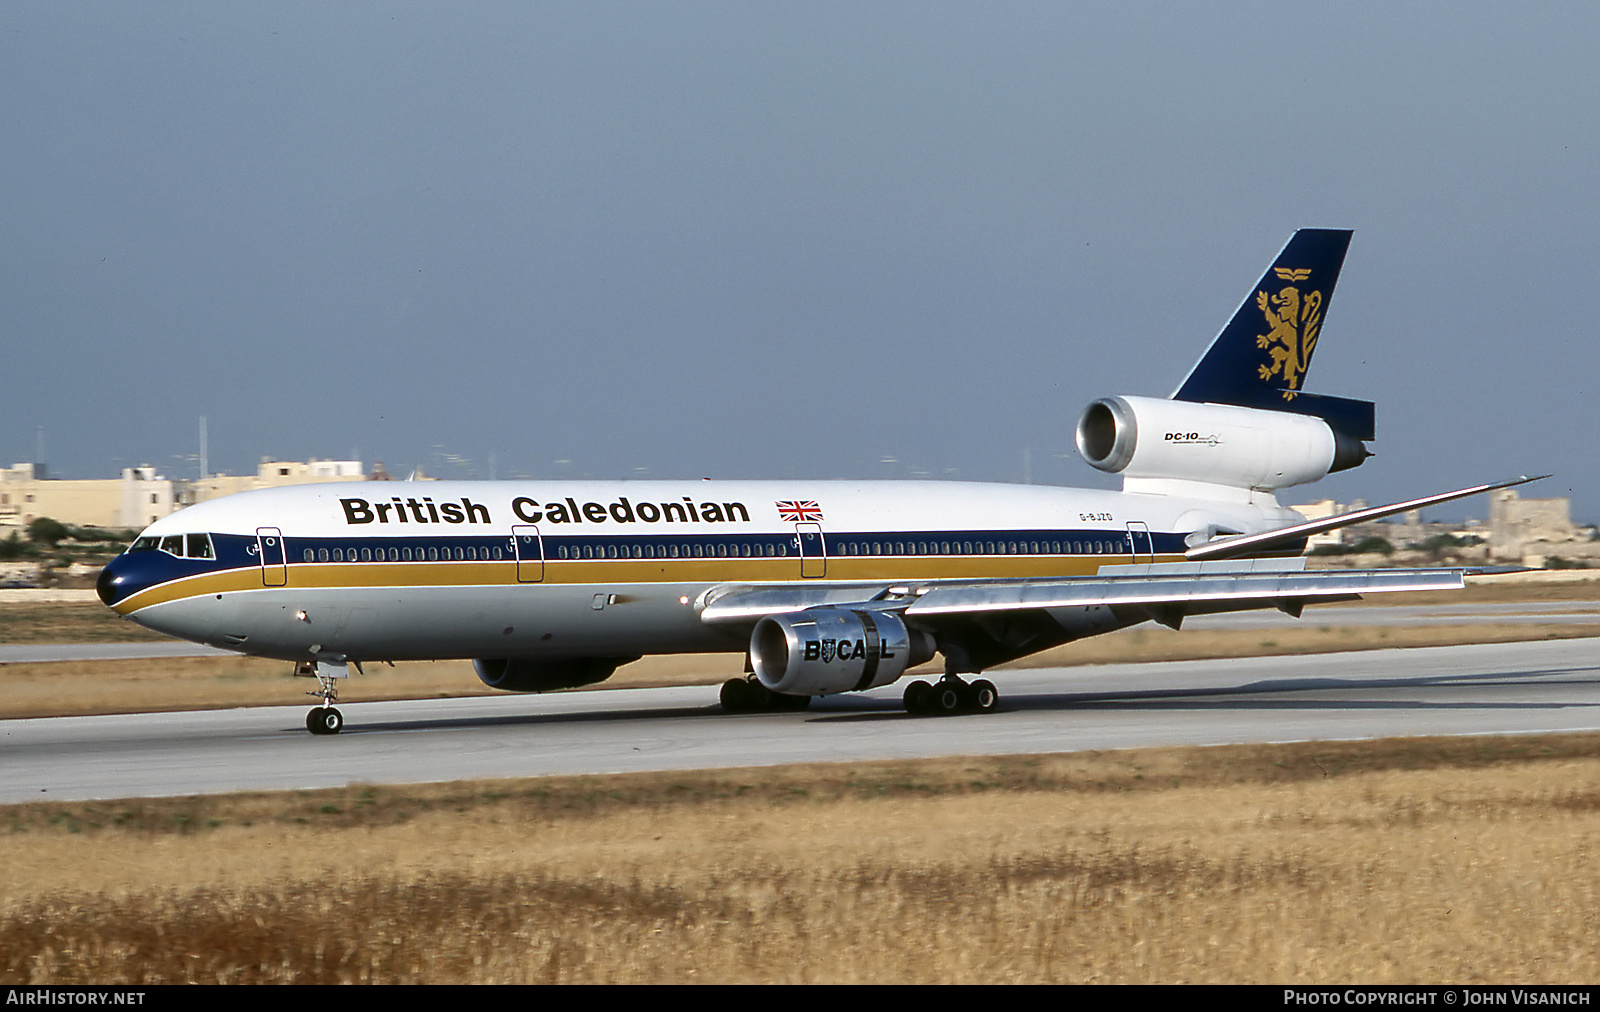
(797, 511)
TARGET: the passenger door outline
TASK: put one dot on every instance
(274, 560)
(813, 551)
(528, 546)
(1140, 543)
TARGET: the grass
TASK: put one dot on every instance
(70, 622)
(1466, 859)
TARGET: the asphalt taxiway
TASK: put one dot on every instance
(1547, 686)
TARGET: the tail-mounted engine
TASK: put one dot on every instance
(828, 650)
(1217, 444)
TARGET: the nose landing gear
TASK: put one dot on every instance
(324, 719)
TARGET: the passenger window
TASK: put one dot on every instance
(366, 555)
(338, 555)
(322, 555)
(309, 555)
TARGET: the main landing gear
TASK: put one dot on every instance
(952, 695)
(748, 695)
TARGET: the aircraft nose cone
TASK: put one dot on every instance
(108, 585)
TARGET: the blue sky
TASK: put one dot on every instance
(782, 240)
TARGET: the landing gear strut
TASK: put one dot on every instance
(952, 695)
(748, 695)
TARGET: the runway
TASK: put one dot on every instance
(1481, 689)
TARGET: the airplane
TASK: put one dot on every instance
(826, 586)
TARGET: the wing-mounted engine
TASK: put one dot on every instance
(828, 650)
(525, 674)
(1212, 444)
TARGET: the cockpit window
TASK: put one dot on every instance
(184, 546)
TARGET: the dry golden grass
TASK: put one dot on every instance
(70, 622)
(1468, 860)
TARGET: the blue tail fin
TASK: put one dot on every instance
(1261, 357)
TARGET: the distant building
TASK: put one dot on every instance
(1322, 510)
(142, 495)
(139, 497)
(1519, 528)
(271, 473)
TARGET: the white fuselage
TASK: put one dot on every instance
(414, 570)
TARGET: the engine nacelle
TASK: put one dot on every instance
(525, 674)
(1217, 444)
(828, 650)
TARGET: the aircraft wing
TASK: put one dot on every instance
(1171, 596)
(1167, 591)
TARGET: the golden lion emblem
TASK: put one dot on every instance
(1293, 323)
